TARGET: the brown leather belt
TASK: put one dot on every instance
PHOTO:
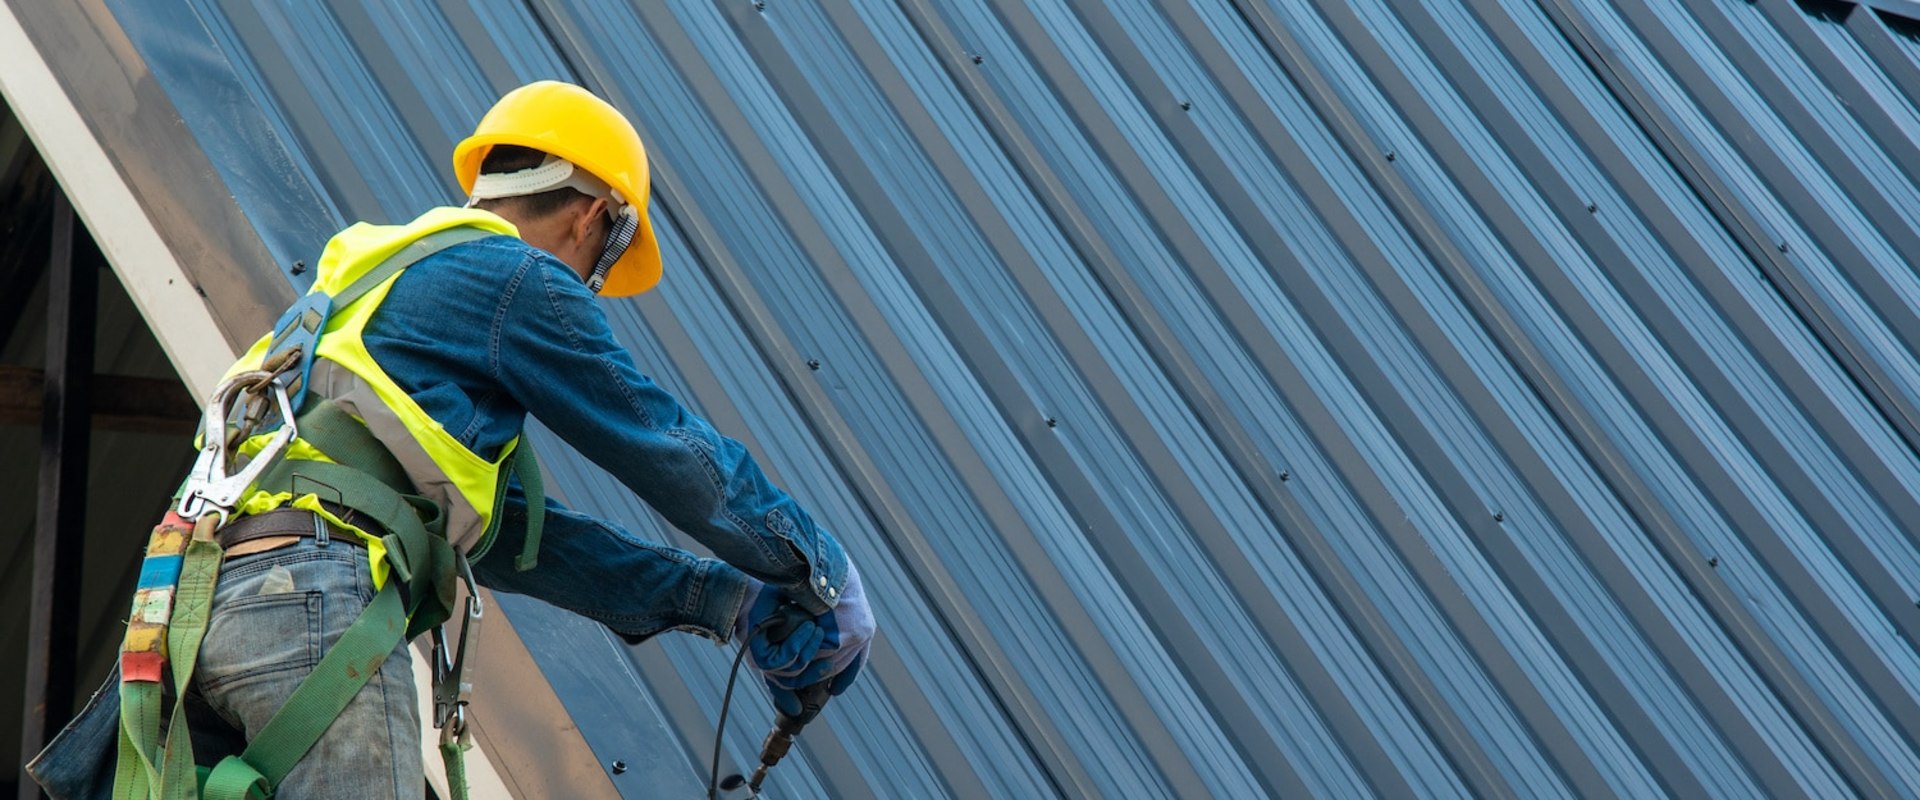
(290, 524)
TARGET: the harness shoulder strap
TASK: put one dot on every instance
(418, 249)
(297, 333)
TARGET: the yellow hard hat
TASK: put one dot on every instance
(564, 120)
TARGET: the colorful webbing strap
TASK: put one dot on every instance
(143, 654)
(148, 769)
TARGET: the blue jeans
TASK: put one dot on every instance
(266, 634)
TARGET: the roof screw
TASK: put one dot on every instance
(977, 58)
(813, 363)
(759, 6)
(1186, 105)
(1593, 207)
(299, 267)
(1714, 562)
(1053, 423)
(619, 767)
(1392, 155)
(1499, 516)
(1783, 247)
(1285, 476)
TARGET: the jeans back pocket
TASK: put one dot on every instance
(260, 635)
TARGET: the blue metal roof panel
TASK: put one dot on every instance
(1235, 398)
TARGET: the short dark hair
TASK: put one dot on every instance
(505, 158)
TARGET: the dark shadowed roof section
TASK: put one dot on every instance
(1236, 398)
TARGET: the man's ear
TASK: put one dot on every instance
(583, 225)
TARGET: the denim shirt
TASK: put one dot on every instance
(485, 332)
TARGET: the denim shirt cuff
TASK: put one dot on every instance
(714, 608)
(826, 576)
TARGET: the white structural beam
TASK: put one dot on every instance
(152, 275)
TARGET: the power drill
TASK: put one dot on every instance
(780, 739)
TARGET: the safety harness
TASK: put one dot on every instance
(173, 601)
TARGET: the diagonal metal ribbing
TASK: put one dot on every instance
(908, 541)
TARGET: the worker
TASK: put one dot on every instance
(409, 371)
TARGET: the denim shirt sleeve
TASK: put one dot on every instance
(599, 570)
(554, 351)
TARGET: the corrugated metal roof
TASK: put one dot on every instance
(1230, 397)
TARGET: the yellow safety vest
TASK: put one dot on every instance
(466, 486)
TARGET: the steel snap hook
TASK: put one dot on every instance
(211, 488)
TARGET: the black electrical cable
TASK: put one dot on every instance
(726, 702)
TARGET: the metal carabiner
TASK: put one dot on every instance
(449, 706)
(455, 728)
(449, 693)
(451, 686)
(444, 701)
(210, 488)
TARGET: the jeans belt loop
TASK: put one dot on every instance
(320, 528)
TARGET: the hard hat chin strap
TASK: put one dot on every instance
(619, 238)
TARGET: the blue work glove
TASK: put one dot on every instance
(794, 650)
(779, 635)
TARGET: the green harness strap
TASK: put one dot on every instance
(315, 704)
(333, 431)
(198, 575)
(366, 472)
(417, 550)
(528, 469)
(454, 755)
